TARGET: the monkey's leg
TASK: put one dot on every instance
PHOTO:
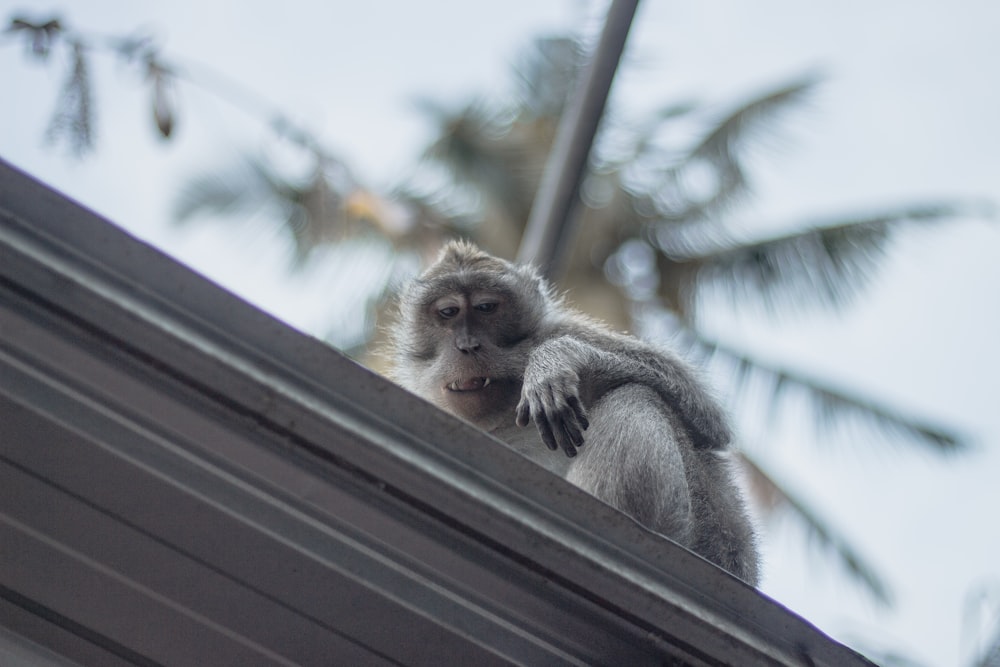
(632, 460)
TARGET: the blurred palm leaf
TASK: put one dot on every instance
(164, 109)
(312, 210)
(832, 407)
(39, 36)
(816, 267)
(774, 498)
(240, 189)
(687, 180)
(747, 126)
(643, 140)
(73, 119)
(546, 75)
(482, 150)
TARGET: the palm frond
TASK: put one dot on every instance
(315, 213)
(73, 119)
(698, 180)
(162, 82)
(432, 218)
(39, 36)
(754, 117)
(772, 498)
(312, 212)
(242, 188)
(821, 266)
(546, 75)
(481, 150)
(644, 138)
(833, 407)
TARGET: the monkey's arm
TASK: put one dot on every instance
(565, 374)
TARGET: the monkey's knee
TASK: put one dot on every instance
(632, 460)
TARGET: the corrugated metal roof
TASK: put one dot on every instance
(184, 480)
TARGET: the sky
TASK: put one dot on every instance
(906, 113)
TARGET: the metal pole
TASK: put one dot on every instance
(547, 236)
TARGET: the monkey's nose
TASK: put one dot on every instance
(466, 344)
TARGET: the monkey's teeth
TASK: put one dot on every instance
(472, 384)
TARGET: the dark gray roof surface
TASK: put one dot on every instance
(184, 480)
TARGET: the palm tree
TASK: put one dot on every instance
(656, 233)
(656, 228)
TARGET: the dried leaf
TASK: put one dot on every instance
(161, 79)
(40, 37)
(163, 107)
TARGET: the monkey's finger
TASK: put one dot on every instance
(548, 437)
(566, 441)
(579, 411)
(570, 426)
(523, 414)
(572, 438)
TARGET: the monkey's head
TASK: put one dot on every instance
(465, 331)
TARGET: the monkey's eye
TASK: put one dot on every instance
(486, 307)
(449, 312)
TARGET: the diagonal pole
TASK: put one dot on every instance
(548, 235)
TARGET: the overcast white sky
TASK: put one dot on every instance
(908, 113)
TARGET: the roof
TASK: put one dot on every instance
(186, 480)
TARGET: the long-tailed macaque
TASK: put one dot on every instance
(490, 342)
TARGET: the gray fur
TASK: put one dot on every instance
(656, 441)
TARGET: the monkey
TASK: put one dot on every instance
(492, 342)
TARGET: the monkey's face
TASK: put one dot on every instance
(466, 346)
(465, 334)
(471, 340)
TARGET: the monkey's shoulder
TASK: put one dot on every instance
(586, 330)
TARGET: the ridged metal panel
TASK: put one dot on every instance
(184, 480)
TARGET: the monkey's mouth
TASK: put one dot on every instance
(469, 384)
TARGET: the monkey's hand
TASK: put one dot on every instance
(550, 396)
